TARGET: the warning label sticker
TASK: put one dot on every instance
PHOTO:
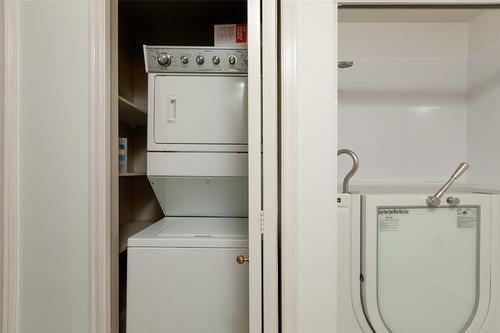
(466, 218)
(388, 223)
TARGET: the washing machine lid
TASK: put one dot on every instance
(193, 232)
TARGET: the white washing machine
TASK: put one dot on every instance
(183, 277)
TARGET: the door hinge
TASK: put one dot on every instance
(261, 220)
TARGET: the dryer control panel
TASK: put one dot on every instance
(183, 59)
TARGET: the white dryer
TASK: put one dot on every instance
(197, 130)
(197, 98)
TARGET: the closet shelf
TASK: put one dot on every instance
(130, 113)
(132, 174)
(129, 229)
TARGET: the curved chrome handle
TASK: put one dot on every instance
(355, 166)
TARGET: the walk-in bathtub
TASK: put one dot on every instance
(413, 262)
(405, 267)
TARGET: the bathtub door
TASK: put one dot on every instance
(426, 269)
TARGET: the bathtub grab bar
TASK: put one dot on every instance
(435, 200)
(355, 166)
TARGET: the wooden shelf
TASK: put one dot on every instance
(130, 113)
(129, 229)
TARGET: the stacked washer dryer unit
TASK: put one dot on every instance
(182, 271)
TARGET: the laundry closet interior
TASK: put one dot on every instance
(418, 98)
(207, 183)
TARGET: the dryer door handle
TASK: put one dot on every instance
(171, 109)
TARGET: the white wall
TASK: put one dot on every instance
(484, 99)
(403, 106)
(54, 172)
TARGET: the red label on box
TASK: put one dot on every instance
(241, 33)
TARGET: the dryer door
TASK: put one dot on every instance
(426, 269)
(200, 109)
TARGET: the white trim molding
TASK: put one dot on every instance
(254, 166)
(11, 179)
(99, 168)
(269, 114)
(309, 166)
(288, 170)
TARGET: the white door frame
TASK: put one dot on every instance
(308, 165)
(263, 165)
(254, 167)
(10, 151)
(100, 165)
(270, 172)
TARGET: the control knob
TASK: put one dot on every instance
(231, 60)
(200, 60)
(216, 60)
(184, 60)
(164, 59)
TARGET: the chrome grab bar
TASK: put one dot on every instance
(355, 166)
(435, 200)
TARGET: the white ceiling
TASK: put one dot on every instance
(398, 15)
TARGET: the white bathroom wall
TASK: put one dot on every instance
(54, 166)
(484, 99)
(403, 106)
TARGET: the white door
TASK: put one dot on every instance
(200, 109)
(426, 269)
(262, 166)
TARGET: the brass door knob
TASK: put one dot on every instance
(241, 260)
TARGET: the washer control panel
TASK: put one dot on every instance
(182, 59)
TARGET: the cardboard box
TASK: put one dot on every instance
(230, 35)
